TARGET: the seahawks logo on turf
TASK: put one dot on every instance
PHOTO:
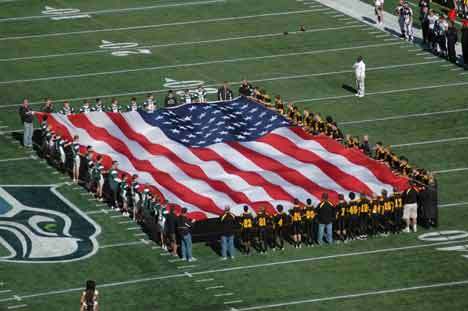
(39, 225)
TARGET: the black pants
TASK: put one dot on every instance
(278, 234)
(452, 54)
(310, 231)
(263, 239)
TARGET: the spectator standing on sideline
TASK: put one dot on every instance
(440, 29)
(224, 92)
(184, 227)
(379, 10)
(452, 39)
(228, 222)
(171, 224)
(408, 21)
(424, 19)
(325, 214)
(26, 115)
(245, 89)
(360, 71)
(432, 19)
(401, 18)
(464, 42)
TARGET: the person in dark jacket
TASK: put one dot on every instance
(452, 39)
(170, 100)
(171, 224)
(464, 42)
(26, 116)
(228, 223)
(245, 89)
(423, 17)
(325, 217)
(224, 92)
(184, 228)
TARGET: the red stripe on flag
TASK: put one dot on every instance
(287, 173)
(381, 171)
(345, 180)
(165, 179)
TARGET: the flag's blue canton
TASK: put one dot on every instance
(199, 125)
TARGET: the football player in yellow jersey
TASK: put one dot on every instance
(296, 222)
(375, 216)
(309, 223)
(364, 219)
(280, 220)
(353, 216)
(246, 222)
(398, 213)
(262, 222)
(342, 215)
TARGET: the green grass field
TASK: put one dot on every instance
(415, 102)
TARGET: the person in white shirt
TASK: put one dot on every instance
(408, 21)
(360, 70)
(379, 9)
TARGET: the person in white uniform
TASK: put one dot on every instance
(360, 71)
(379, 9)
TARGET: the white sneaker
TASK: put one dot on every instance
(192, 259)
(232, 257)
(361, 95)
(415, 228)
(407, 230)
(356, 94)
(223, 258)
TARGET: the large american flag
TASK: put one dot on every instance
(208, 156)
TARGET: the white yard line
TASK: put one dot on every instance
(204, 280)
(356, 295)
(187, 267)
(17, 307)
(460, 169)
(233, 302)
(196, 64)
(5, 291)
(186, 43)
(427, 142)
(223, 294)
(123, 10)
(152, 26)
(214, 287)
(238, 268)
(121, 244)
(404, 116)
(424, 87)
(133, 228)
(453, 204)
(15, 159)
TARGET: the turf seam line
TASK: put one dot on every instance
(214, 287)
(5, 291)
(187, 267)
(460, 169)
(17, 306)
